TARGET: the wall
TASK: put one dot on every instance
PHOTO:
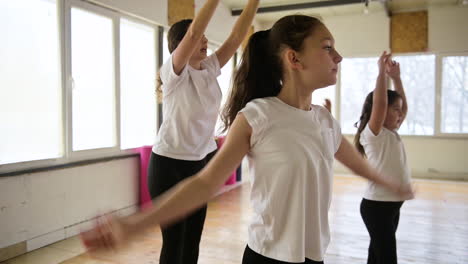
(366, 35)
(152, 10)
(221, 23)
(448, 29)
(431, 158)
(41, 208)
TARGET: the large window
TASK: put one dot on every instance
(454, 108)
(30, 89)
(418, 77)
(358, 76)
(93, 80)
(137, 89)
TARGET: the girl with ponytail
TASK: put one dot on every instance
(290, 143)
(377, 138)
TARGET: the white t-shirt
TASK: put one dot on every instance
(191, 103)
(386, 153)
(291, 158)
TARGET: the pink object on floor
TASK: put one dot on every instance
(145, 154)
(232, 178)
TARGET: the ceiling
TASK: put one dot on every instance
(393, 6)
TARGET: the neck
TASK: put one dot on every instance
(196, 64)
(295, 95)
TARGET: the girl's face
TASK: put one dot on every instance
(200, 52)
(394, 115)
(319, 59)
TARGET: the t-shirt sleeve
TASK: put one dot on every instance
(211, 63)
(336, 133)
(255, 116)
(169, 78)
(368, 136)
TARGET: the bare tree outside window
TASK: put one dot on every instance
(418, 77)
(454, 113)
(358, 76)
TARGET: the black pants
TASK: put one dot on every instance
(381, 220)
(181, 240)
(252, 257)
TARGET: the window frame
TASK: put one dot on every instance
(70, 157)
(438, 113)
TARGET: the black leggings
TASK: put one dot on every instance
(181, 240)
(381, 220)
(252, 257)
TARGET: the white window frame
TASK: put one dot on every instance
(64, 24)
(438, 113)
(438, 94)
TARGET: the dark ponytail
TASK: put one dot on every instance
(257, 76)
(392, 96)
(260, 71)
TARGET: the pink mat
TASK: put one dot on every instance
(145, 154)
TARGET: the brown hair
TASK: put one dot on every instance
(392, 96)
(260, 71)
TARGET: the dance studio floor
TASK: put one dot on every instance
(433, 230)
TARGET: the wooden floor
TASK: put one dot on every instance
(433, 229)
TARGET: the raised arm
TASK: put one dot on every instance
(350, 157)
(379, 100)
(393, 71)
(238, 33)
(185, 197)
(195, 33)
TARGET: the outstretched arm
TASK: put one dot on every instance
(195, 33)
(185, 197)
(379, 100)
(393, 71)
(350, 157)
(238, 33)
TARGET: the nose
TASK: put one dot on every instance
(338, 57)
(204, 39)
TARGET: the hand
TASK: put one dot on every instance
(406, 191)
(403, 190)
(327, 104)
(384, 58)
(109, 233)
(393, 69)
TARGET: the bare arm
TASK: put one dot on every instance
(380, 101)
(350, 157)
(185, 197)
(238, 33)
(195, 33)
(197, 190)
(393, 71)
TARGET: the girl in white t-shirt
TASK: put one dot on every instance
(191, 99)
(290, 143)
(377, 138)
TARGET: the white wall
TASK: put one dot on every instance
(221, 23)
(448, 29)
(360, 35)
(432, 158)
(46, 207)
(153, 10)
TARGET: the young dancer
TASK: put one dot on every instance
(290, 143)
(191, 101)
(377, 138)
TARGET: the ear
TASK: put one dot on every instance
(292, 59)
